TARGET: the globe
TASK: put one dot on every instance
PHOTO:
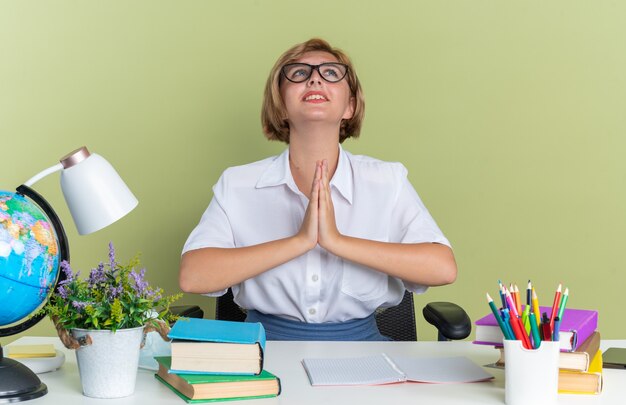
(29, 261)
(30, 253)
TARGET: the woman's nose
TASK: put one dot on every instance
(315, 77)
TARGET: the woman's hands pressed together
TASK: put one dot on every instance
(421, 263)
(328, 234)
(319, 226)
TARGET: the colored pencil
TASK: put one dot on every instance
(496, 314)
(536, 307)
(501, 290)
(563, 303)
(534, 329)
(555, 306)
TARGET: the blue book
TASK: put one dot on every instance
(207, 346)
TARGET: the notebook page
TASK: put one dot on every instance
(441, 369)
(376, 369)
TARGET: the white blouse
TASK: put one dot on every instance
(260, 202)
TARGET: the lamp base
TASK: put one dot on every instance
(18, 382)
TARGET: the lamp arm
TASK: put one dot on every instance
(43, 174)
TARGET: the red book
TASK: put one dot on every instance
(576, 326)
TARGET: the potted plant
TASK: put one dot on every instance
(104, 317)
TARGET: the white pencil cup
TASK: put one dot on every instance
(531, 376)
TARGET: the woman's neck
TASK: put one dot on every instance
(305, 150)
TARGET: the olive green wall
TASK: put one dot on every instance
(509, 116)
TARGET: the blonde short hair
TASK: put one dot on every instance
(273, 111)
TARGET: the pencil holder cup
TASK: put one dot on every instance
(531, 376)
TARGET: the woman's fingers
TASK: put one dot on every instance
(327, 182)
(309, 227)
(327, 225)
(324, 183)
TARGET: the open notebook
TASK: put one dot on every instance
(382, 369)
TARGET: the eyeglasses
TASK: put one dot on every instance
(299, 72)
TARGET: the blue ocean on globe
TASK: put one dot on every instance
(29, 258)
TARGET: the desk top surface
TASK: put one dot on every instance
(284, 360)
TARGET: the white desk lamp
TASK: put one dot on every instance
(94, 192)
(96, 197)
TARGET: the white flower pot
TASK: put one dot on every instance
(108, 367)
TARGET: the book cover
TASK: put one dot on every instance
(212, 330)
(198, 401)
(30, 351)
(583, 382)
(614, 357)
(214, 346)
(576, 326)
(207, 387)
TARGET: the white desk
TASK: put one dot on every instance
(283, 359)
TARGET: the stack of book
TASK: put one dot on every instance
(580, 360)
(217, 360)
(587, 378)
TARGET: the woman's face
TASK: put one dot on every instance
(315, 99)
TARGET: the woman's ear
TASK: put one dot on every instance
(349, 113)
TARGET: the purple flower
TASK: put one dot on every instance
(63, 292)
(97, 275)
(112, 261)
(115, 292)
(139, 284)
(153, 294)
(69, 276)
(79, 305)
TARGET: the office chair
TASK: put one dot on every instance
(398, 323)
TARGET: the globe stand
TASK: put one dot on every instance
(18, 382)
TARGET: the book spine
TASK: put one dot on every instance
(481, 342)
(261, 357)
(261, 336)
(280, 386)
(585, 330)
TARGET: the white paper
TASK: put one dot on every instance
(380, 369)
(441, 370)
(352, 371)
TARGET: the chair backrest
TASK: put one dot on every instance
(397, 322)
(227, 310)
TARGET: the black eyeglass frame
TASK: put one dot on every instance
(314, 67)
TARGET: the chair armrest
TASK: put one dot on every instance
(450, 320)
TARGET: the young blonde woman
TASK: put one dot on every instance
(314, 240)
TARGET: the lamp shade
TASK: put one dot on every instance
(95, 194)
